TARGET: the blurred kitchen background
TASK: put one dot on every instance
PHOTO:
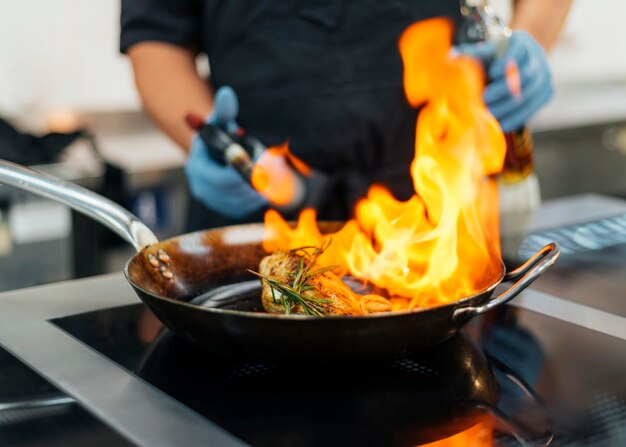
(61, 72)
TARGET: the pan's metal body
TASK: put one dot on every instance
(169, 275)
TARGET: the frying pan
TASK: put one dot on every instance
(197, 286)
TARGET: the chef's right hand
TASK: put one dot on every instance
(219, 187)
(514, 98)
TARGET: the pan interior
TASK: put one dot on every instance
(209, 268)
(244, 295)
(198, 262)
(240, 296)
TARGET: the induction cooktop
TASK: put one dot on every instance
(514, 374)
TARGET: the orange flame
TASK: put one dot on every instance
(440, 245)
(479, 435)
(273, 177)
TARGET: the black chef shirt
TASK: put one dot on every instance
(326, 75)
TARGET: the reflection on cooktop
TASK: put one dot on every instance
(35, 413)
(454, 390)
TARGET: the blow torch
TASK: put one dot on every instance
(271, 174)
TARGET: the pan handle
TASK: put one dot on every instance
(99, 208)
(524, 275)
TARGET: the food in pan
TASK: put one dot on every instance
(293, 283)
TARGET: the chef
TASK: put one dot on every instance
(325, 75)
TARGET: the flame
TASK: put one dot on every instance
(443, 243)
(479, 435)
(273, 176)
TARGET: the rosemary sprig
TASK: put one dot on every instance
(290, 299)
(292, 296)
(307, 261)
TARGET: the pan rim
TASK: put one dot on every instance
(297, 317)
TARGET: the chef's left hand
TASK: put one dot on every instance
(219, 187)
(513, 101)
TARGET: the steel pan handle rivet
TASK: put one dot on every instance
(164, 257)
(153, 260)
(167, 273)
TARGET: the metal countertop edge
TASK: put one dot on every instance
(571, 312)
(135, 409)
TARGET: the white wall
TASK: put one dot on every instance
(62, 53)
(592, 46)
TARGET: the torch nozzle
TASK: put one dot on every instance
(266, 170)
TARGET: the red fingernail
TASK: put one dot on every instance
(513, 81)
(194, 121)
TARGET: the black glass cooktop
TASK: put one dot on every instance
(484, 387)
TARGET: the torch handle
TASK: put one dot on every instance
(226, 151)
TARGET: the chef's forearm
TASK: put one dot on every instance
(170, 87)
(543, 19)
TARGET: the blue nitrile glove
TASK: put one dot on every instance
(510, 109)
(220, 188)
